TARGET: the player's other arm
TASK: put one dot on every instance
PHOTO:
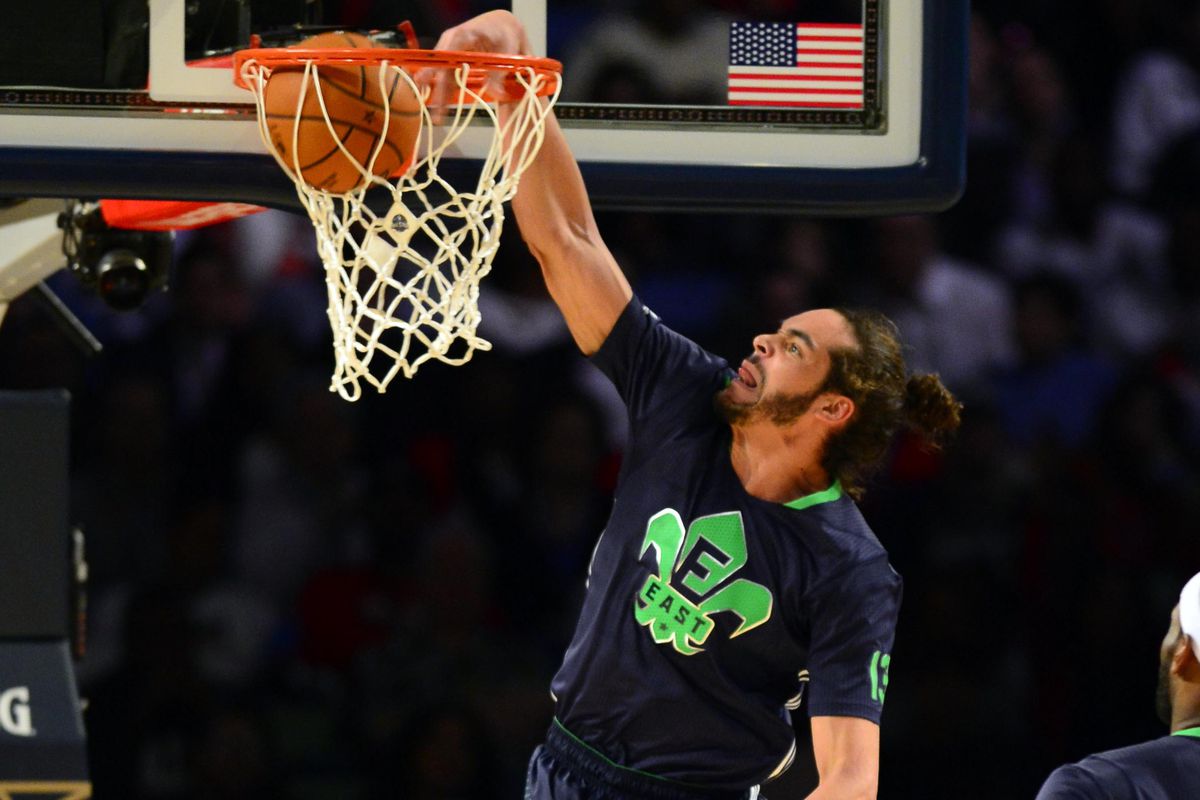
(847, 755)
(552, 207)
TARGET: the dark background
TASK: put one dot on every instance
(297, 597)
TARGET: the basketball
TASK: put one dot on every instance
(357, 111)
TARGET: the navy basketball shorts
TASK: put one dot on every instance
(566, 769)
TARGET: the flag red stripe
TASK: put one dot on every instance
(820, 52)
(790, 90)
(839, 25)
(752, 76)
(831, 64)
(804, 103)
(806, 38)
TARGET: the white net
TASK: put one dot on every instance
(404, 256)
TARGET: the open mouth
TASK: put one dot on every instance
(747, 375)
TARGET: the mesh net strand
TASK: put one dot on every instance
(403, 281)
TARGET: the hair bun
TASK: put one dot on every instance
(930, 409)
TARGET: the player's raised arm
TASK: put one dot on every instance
(552, 207)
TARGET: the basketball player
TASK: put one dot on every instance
(735, 569)
(1166, 768)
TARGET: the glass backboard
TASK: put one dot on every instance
(821, 105)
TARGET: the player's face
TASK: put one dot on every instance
(788, 367)
(1162, 695)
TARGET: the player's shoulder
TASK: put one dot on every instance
(1164, 748)
(1153, 769)
(839, 532)
(639, 336)
(1074, 782)
(842, 547)
(639, 320)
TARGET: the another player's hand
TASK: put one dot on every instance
(492, 32)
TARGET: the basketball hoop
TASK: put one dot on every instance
(402, 270)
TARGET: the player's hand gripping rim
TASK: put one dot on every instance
(492, 32)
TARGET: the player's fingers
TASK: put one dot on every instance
(437, 82)
(422, 79)
(492, 32)
(447, 39)
(447, 91)
(444, 90)
(465, 37)
(494, 85)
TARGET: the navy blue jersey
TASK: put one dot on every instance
(709, 610)
(1162, 769)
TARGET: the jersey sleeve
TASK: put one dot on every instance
(852, 629)
(1072, 782)
(656, 370)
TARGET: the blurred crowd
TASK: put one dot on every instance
(297, 597)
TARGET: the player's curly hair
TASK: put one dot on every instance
(886, 399)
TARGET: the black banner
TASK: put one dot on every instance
(34, 526)
(41, 729)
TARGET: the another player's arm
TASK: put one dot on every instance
(847, 755)
(552, 207)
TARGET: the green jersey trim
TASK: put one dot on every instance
(816, 498)
(1192, 732)
(614, 764)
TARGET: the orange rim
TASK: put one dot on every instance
(411, 61)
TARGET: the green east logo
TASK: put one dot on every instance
(703, 560)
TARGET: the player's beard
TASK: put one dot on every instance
(1162, 693)
(778, 409)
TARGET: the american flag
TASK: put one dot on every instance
(796, 64)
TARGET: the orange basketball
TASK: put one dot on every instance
(356, 108)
